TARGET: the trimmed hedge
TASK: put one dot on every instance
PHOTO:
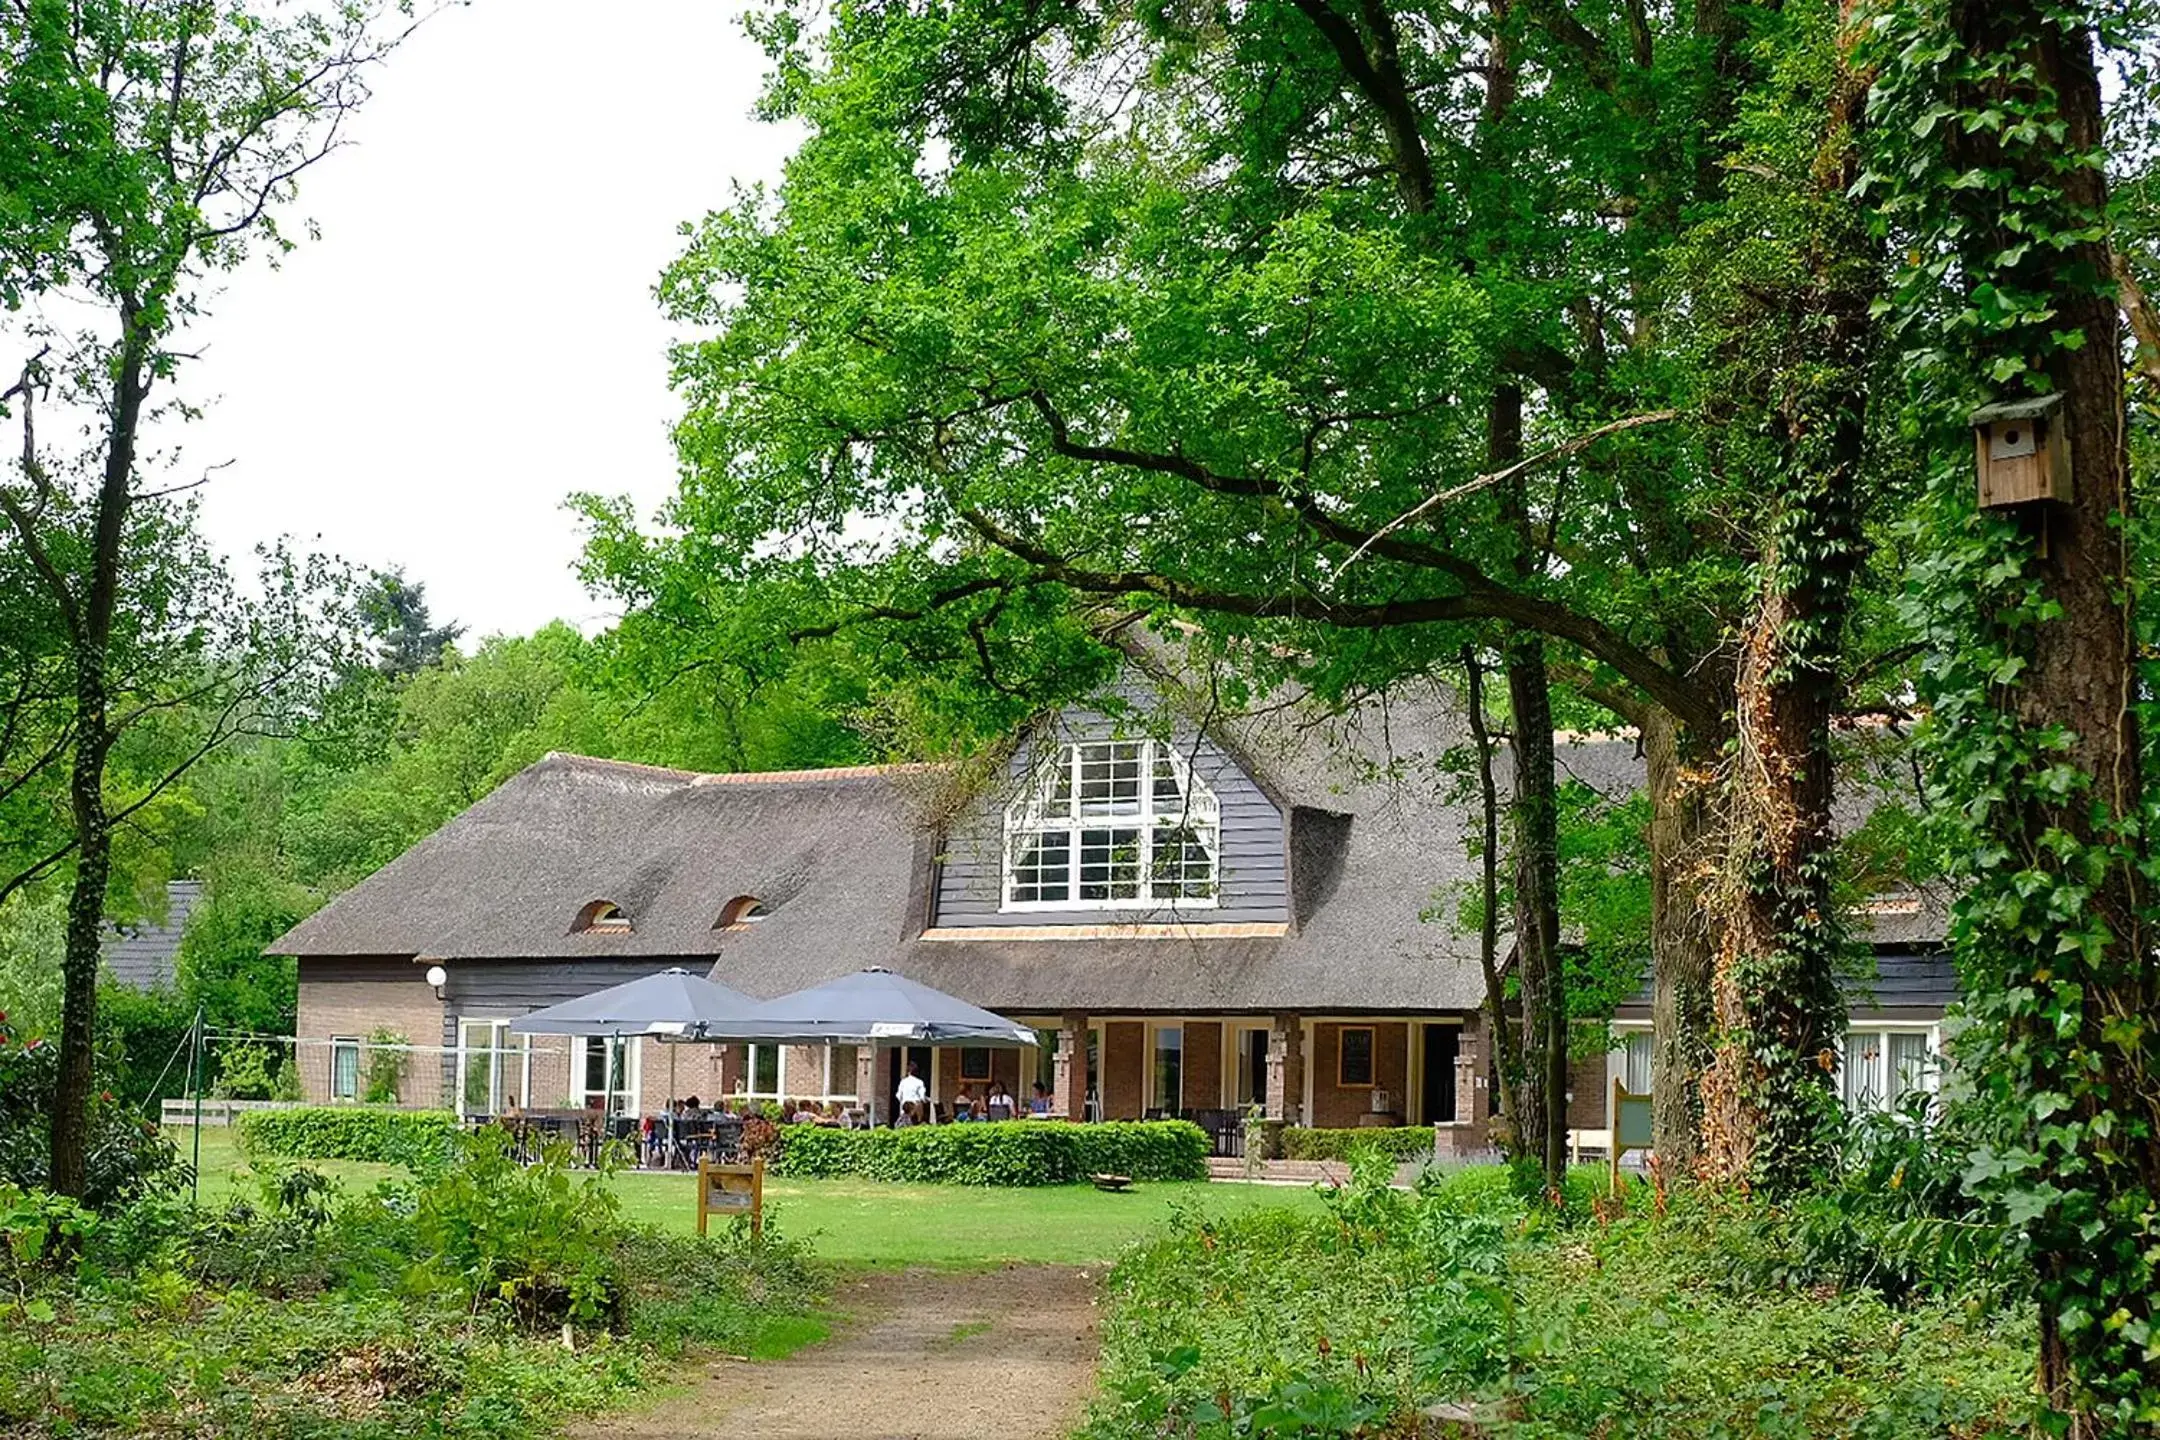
(1008, 1152)
(1406, 1142)
(415, 1138)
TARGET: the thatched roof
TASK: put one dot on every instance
(828, 852)
(844, 862)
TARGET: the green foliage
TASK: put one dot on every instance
(735, 1291)
(1353, 1321)
(32, 924)
(1406, 1142)
(221, 965)
(533, 1238)
(245, 1073)
(419, 1139)
(127, 1157)
(1011, 1152)
(1896, 1218)
(304, 1314)
(142, 1044)
(384, 1073)
(1990, 168)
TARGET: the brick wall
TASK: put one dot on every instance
(1203, 1066)
(354, 998)
(1126, 1070)
(1337, 1106)
(1589, 1089)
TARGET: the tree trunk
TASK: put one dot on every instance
(92, 642)
(1683, 941)
(1505, 1053)
(1769, 1109)
(2074, 994)
(69, 1134)
(1542, 1110)
(1537, 910)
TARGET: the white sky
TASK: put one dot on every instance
(475, 336)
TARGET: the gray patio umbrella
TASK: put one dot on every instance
(672, 1005)
(877, 1008)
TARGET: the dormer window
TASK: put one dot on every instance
(601, 917)
(1109, 824)
(741, 913)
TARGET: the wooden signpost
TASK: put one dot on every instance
(731, 1190)
(1631, 1128)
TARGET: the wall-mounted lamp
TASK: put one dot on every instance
(437, 977)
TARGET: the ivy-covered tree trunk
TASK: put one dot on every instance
(1770, 1110)
(1996, 112)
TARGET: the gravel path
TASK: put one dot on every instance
(925, 1355)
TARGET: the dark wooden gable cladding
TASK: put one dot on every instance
(1252, 873)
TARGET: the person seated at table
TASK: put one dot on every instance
(1039, 1105)
(964, 1106)
(910, 1114)
(998, 1104)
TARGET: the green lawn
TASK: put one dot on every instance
(879, 1226)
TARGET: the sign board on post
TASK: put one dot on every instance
(731, 1190)
(1631, 1126)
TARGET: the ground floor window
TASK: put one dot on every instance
(345, 1068)
(840, 1063)
(1169, 1068)
(761, 1071)
(1635, 1062)
(604, 1072)
(1354, 1057)
(1883, 1065)
(975, 1063)
(493, 1070)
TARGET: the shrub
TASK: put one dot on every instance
(126, 1157)
(418, 1139)
(385, 1073)
(534, 1238)
(244, 1073)
(1406, 1142)
(744, 1293)
(1352, 1321)
(1015, 1152)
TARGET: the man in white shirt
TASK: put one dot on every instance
(912, 1091)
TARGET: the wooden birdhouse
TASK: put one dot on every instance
(2021, 452)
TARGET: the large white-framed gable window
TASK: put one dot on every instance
(1113, 824)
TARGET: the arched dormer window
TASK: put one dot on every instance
(1113, 824)
(602, 917)
(741, 913)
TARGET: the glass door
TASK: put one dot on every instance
(491, 1067)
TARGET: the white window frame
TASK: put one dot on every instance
(749, 1090)
(1054, 804)
(357, 1047)
(502, 1047)
(1882, 1030)
(626, 1075)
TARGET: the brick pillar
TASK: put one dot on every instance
(866, 1083)
(1068, 1095)
(1285, 1069)
(1473, 1095)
